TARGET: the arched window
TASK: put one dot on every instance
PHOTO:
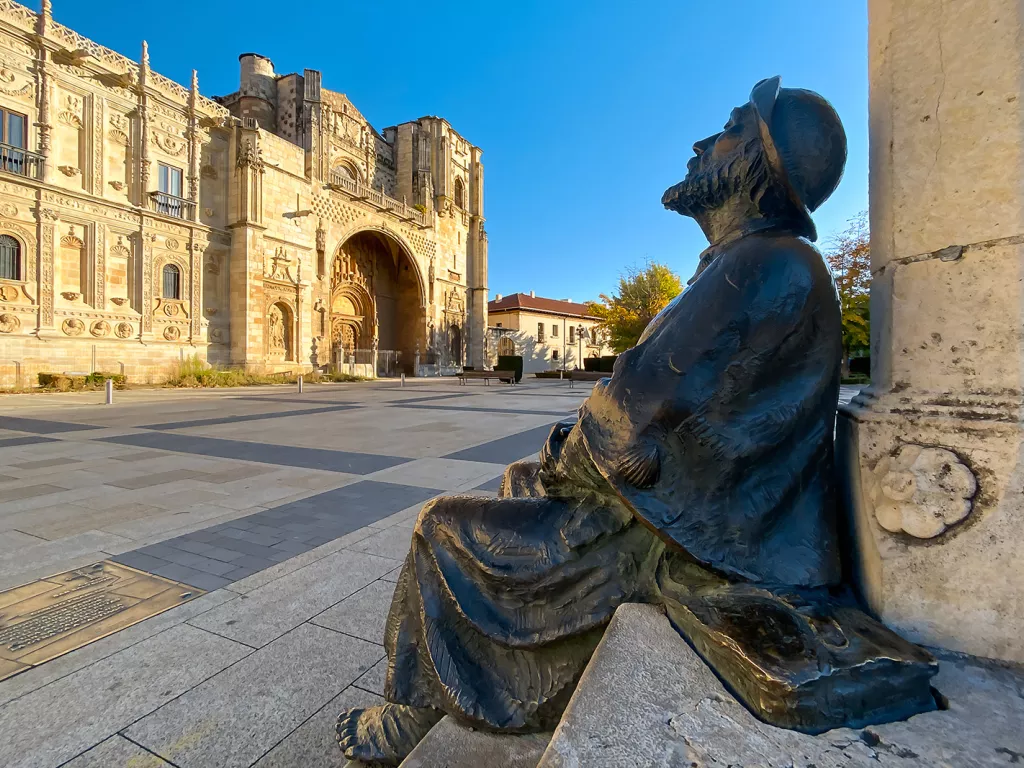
(171, 282)
(506, 346)
(460, 193)
(10, 258)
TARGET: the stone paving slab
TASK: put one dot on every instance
(42, 426)
(59, 721)
(442, 474)
(362, 614)
(281, 605)
(287, 455)
(235, 717)
(117, 752)
(314, 744)
(507, 449)
(246, 417)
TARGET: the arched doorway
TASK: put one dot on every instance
(376, 303)
(280, 333)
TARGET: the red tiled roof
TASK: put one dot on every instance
(538, 304)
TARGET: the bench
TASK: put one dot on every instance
(487, 376)
(586, 376)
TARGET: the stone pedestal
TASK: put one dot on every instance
(933, 449)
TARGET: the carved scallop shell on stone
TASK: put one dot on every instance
(123, 330)
(100, 328)
(9, 323)
(172, 333)
(922, 491)
(73, 326)
(641, 466)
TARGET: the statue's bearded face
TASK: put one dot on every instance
(723, 165)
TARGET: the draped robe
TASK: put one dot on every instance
(711, 441)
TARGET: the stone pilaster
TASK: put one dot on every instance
(43, 87)
(934, 446)
(143, 113)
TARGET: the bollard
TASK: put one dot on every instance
(110, 391)
(300, 385)
(403, 379)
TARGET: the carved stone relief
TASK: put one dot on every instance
(9, 323)
(73, 326)
(921, 491)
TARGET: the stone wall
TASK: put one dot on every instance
(252, 233)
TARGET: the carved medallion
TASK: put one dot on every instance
(172, 333)
(216, 334)
(8, 210)
(171, 244)
(8, 293)
(922, 491)
(171, 310)
(73, 326)
(9, 323)
(100, 328)
(123, 330)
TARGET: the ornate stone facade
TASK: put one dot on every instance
(152, 222)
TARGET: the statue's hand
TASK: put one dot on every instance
(553, 447)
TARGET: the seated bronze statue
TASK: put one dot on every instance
(699, 476)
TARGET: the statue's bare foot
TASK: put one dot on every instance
(384, 735)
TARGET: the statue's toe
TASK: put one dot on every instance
(383, 735)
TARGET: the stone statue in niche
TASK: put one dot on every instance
(275, 330)
(697, 477)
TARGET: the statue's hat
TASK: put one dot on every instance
(804, 141)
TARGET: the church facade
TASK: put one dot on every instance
(273, 228)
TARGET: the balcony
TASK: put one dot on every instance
(379, 200)
(20, 161)
(169, 205)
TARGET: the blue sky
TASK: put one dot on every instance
(586, 111)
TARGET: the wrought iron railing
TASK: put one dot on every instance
(20, 161)
(377, 198)
(171, 205)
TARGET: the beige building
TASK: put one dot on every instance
(274, 228)
(546, 332)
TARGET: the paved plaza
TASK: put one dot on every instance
(292, 512)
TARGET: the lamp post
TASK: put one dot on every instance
(579, 339)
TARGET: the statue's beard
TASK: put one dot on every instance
(707, 188)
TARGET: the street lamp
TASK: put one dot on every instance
(579, 338)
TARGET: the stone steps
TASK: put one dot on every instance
(646, 699)
(452, 745)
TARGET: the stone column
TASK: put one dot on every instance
(933, 449)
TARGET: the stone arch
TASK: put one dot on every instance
(404, 246)
(279, 334)
(347, 169)
(21, 238)
(378, 295)
(460, 192)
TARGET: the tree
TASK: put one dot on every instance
(642, 294)
(849, 258)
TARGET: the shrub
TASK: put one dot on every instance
(607, 363)
(511, 363)
(62, 382)
(591, 364)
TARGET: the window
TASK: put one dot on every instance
(554, 354)
(14, 128)
(460, 193)
(172, 282)
(540, 332)
(498, 325)
(554, 331)
(10, 258)
(168, 199)
(170, 180)
(572, 334)
(506, 346)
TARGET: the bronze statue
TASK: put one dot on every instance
(698, 477)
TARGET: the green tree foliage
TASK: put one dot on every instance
(642, 294)
(849, 258)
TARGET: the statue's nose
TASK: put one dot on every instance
(700, 147)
